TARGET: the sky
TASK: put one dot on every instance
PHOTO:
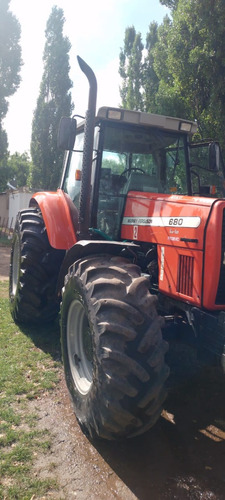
(96, 31)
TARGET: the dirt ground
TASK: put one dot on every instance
(4, 262)
(182, 457)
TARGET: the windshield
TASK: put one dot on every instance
(137, 159)
(151, 160)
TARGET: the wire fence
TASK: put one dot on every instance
(6, 227)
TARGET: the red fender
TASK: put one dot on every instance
(60, 217)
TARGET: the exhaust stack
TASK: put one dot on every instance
(85, 194)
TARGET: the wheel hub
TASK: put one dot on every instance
(79, 342)
(15, 266)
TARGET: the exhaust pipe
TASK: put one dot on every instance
(85, 194)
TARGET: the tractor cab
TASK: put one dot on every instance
(141, 152)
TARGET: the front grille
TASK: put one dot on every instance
(185, 275)
(220, 296)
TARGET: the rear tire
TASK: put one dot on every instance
(112, 348)
(34, 269)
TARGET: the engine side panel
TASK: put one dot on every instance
(178, 225)
(180, 273)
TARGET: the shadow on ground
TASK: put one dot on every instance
(46, 338)
(183, 456)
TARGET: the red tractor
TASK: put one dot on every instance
(137, 222)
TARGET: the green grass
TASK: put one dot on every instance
(5, 241)
(29, 366)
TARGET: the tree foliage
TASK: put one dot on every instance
(3, 144)
(53, 102)
(171, 4)
(183, 65)
(131, 69)
(150, 79)
(196, 61)
(169, 100)
(15, 170)
(10, 64)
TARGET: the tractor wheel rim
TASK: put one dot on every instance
(79, 343)
(15, 265)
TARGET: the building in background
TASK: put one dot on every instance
(11, 202)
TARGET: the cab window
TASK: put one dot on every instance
(72, 181)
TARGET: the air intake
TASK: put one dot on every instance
(185, 275)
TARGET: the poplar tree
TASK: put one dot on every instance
(171, 4)
(182, 68)
(196, 64)
(10, 64)
(53, 102)
(130, 70)
(150, 78)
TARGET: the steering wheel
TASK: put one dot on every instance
(130, 169)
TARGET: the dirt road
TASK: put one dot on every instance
(182, 457)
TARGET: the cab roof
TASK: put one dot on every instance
(139, 118)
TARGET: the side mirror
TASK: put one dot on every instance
(214, 157)
(66, 133)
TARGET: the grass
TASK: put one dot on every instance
(5, 241)
(29, 366)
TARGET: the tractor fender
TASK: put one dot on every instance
(83, 248)
(60, 217)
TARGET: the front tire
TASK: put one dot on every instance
(112, 347)
(34, 269)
